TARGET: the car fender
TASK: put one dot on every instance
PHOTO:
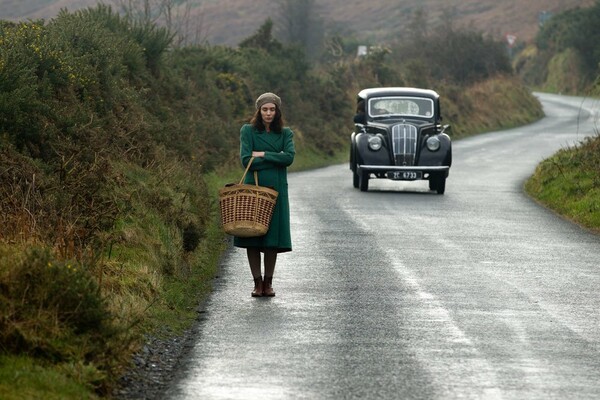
(442, 156)
(364, 155)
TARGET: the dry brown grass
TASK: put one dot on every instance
(497, 103)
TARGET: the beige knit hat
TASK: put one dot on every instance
(268, 98)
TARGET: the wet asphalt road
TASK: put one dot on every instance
(400, 293)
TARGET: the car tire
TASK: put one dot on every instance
(363, 181)
(437, 183)
(440, 184)
(431, 183)
(354, 169)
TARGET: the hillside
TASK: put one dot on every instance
(230, 21)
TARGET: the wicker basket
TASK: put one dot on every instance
(246, 210)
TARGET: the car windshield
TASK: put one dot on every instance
(401, 106)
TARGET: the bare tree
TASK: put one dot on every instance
(418, 25)
(145, 11)
(179, 18)
(301, 24)
(176, 15)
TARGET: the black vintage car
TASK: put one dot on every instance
(398, 135)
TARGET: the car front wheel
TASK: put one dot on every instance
(363, 181)
(354, 169)
(431, 184)
(437, 183)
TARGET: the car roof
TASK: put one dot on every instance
(397, 91)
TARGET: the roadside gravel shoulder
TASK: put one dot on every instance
(155, 367)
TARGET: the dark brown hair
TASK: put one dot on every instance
(276, 125)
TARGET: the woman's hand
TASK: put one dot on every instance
(258, 154)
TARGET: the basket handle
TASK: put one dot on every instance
(246, 171)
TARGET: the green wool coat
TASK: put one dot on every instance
(272, 171)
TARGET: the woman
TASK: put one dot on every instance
(272, 147)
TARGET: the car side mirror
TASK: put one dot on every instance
(447, 129)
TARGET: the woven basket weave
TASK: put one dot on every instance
(246, 210)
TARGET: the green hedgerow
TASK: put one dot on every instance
(50, 309)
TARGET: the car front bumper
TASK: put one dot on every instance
(386, 168)
(398, 172)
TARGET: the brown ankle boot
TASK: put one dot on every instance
(267, 289)
(258, 287)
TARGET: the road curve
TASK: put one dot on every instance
(400, 293)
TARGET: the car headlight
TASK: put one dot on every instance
(433, 143)
(375, 143)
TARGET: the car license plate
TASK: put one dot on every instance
(404, 175)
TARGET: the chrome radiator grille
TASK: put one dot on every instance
(404, 144)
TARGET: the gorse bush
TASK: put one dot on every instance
(452, 55)
(22, 94)
(565, 56)
(69, 76)
(50, 308)
(79, 70)
(574, 29)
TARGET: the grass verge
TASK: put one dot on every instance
(24, 378)
(569, 183)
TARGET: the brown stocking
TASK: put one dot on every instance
(270, 260)
(254, 260)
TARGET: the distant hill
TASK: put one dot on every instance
(230, 21)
